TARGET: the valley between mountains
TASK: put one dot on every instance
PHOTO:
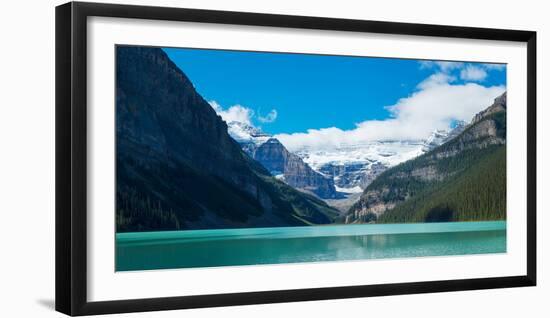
(180, 166)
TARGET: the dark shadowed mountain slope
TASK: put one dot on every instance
(177, 166)
(464, 179)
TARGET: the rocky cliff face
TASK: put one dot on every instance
(292, 170)
(273, 156)
(487, 128)
(422, 176)
(177, 166)
(499, 105)
(286, 166)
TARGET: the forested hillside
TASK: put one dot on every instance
(461, 180)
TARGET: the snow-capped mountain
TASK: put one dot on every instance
(250, 138)
(352, 167)
(435, 139)
(282, 164)
(439, 137)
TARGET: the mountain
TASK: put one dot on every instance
(353, 167)
(436, 138)
(292, 170)
(441, 136)
(338, 173)
(282, 164)
(177, 166)
(461, 180)
(249, 137)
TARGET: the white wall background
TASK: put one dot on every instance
(27, 159)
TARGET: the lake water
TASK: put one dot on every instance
(226, 247)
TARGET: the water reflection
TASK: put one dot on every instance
(182, 253)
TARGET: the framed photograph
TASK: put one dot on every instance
(208, 158)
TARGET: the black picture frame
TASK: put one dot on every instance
(71, 157)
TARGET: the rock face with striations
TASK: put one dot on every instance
(177, 166)
(293, 170)
(499, 105)
(281, 163)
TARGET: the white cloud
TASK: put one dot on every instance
(473, 73)
(435, 80)
(217, 107)
(269, 118)
(438, 101)
(243, 114)
(435, 105)
(234, 113)
(444, 66)
(494, 66)
(468, 71)
(426, 64)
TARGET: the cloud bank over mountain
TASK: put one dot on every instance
(438, 101)
(243, 114)
(454, 91)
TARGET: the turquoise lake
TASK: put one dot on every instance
(231, 247)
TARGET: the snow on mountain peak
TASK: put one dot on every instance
(439, 136)
(436, 138)
(351, 166)
(357, 165)
(245, 133)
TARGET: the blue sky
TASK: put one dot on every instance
(293, 93)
